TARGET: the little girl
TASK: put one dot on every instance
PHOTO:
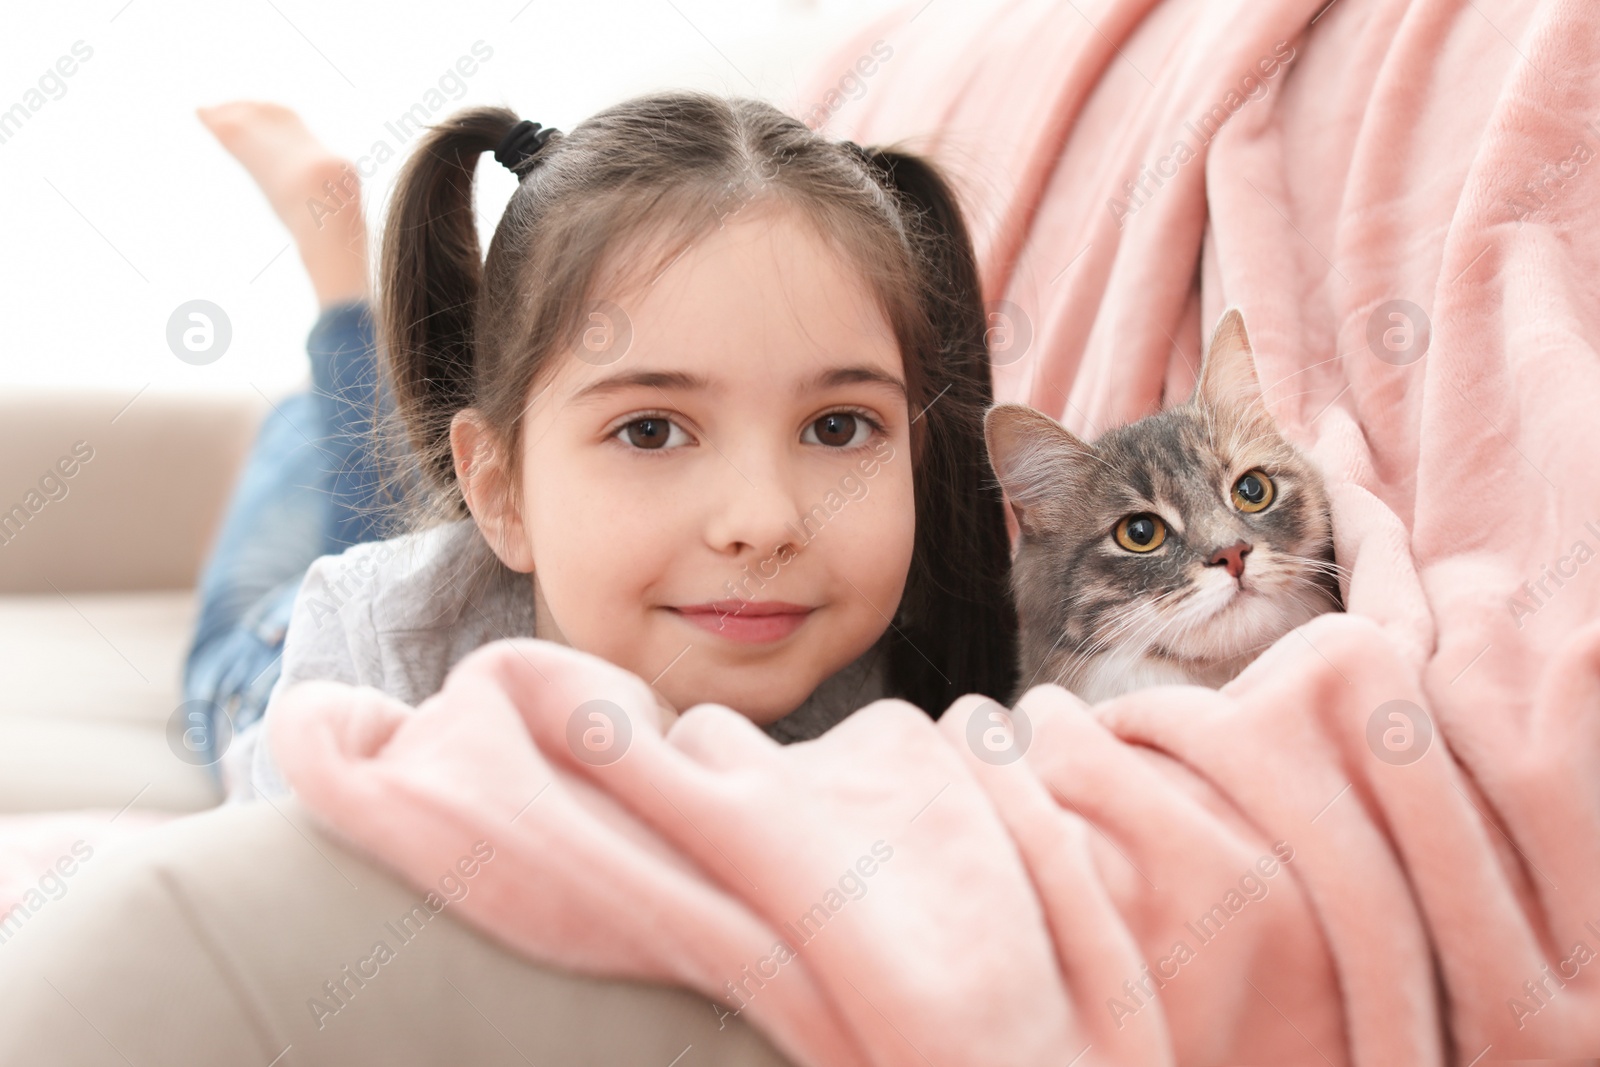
(710, 408)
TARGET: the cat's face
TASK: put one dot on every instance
(1198, 534)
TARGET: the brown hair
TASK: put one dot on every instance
(458, 330)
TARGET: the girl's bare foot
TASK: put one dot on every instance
(314, 192)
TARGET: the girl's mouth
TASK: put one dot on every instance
(746, 621)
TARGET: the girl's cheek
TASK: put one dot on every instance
(875, 526)
(601, 531)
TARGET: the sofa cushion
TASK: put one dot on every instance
(88, 683)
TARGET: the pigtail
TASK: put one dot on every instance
(958, 628)
(431, 274)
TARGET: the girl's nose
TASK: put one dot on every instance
(752, 507)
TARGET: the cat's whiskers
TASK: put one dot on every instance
(1288, 591)
(1234, 444)
(1258, 437)
(1045, 659)
(1313, 579)
(1117, 654)
(1067, 605)
(1237, 446)
(1260, 646)
(1122, 620)
(1187, 621)
(1314, 573)
(1322, 565)
(1292, 396)
(1138, 617)
(1311, 610)
(1131, 638)
(1211, 429)
(1195, 616)
(1096, 643)
(1310, 582)
(1302, 370)
(1146, 640)
(1100, 460)
(1264, 613)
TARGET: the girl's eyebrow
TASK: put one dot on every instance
(656, 379)
(851, 375)
(856, 374)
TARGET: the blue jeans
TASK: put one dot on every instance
(308, 489)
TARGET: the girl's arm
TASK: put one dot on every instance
(331, 636)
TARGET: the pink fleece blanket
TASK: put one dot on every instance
(1381, 844)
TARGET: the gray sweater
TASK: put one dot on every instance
(396, 615)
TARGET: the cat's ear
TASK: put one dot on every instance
(1033, 456)
(1228, 373)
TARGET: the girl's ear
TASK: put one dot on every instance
(484, 475)
(1033, 456)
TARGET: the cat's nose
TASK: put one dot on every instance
(1232, 556)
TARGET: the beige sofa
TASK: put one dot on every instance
(98, 560)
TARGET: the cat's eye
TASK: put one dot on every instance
(1141, 533)
(1253, 491)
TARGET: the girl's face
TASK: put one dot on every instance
(721, 503)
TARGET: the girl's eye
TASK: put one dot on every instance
(1141, 533)
(839, 429)
(1253, 491)
(652, 433)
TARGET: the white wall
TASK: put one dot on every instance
(119, 206)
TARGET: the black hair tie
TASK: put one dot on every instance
(521, 143)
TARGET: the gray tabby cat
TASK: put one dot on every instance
(1171, 550)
